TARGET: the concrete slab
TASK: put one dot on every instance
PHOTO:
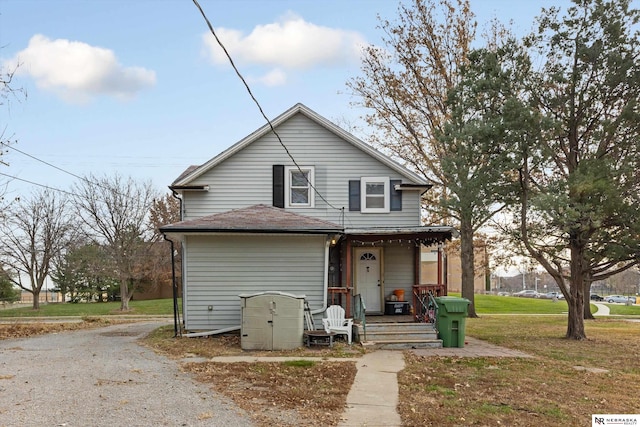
(373, 398)
(473, 348)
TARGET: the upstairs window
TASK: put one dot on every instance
(299, 186)
(374, 194)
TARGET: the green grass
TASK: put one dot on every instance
(485, 304)
(148, 307)
(493, 304)
(300, 363)
(624, 310)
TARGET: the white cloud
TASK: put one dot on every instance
(275, 77)
(76, 71)
(291, 43)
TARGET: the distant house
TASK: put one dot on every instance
(319, 213)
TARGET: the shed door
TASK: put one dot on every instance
(368, 282)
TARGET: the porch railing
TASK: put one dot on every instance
(424, 301)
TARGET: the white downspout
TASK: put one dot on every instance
(325, 287)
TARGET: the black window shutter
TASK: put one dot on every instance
(396, 196)
(278, 186)
(354, 195)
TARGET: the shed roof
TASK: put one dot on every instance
(254, 219)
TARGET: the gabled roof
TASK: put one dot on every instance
(254, 219)
(194, 172)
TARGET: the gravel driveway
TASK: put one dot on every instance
(102, 377)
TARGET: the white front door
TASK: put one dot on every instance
(367, 279)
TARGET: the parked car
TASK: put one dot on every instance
(620, 298)
(596, 297)
(527, 293)
(552, 295)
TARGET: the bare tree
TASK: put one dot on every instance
(115, 212)
(405, 87)
(35, 231)
(7, 92)
(164, 211)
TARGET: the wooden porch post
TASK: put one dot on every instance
(417, 261)
(439, 264)
(349, 281)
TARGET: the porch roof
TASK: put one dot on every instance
(425, 234)
(254, 219)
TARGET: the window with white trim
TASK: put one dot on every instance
(299, 186)
(374, 194)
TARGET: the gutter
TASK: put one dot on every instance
(325, 284)
(174, 288)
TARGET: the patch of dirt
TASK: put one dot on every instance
(274, 393)
(280, 394)
(26, 330)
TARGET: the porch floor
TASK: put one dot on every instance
(381, 318)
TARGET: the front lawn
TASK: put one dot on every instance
(155, 307)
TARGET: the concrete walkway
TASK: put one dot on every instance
(373, 397)
(603, 310)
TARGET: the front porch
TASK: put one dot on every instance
(376, 276)
(418, 310)
(398, 331)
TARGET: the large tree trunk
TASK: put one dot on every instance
(124, 295)
(36, 299)
(575, 324)
(587, 299)
(467, 264)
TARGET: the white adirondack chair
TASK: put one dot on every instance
(335, 322)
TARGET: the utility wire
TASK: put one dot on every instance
(46, 163)
(88, 181)
(246, 85)
(38, 184)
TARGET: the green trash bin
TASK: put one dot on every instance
(452, 312)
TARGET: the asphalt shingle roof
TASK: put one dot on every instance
(257, 218)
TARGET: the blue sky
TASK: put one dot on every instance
(136, 87)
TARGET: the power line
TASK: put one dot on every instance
(88, 181)
(38, 184)
(246, 85)
(44, 162)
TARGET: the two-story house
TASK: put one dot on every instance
(308, 210)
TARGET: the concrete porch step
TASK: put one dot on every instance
(402, 344)
(400, 327)
(399, 335)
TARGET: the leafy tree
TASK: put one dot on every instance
(82, 274)
(580, 188)
(114, 211)
(476, 161)
(8, 292)
(35, 231)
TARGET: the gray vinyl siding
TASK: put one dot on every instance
(245, 178)
(399, 269)
(221, 267)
